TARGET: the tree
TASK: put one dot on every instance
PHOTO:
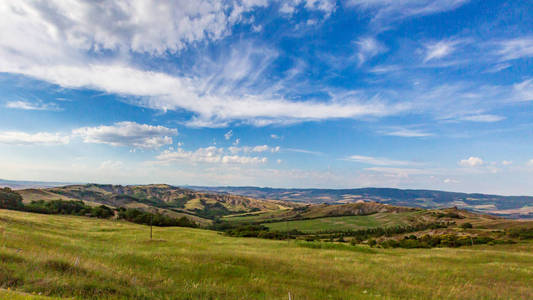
(10, 199)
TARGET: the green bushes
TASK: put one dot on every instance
(452, 215)
(466, 225)
(443, 240)
(146, 218)
(10, 199)
(62, 207)
(364, 234)
(521, 233)
(259, 231)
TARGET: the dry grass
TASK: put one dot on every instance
(78, 257)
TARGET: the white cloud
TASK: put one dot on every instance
(111, 165)
(368, 47)
(405, 132)
(485, 118)
(228, 135)
(128, 134)
(440, 49)
(256, 149)
(61, 39)
(530, 162)
(398, 172)
(472, 161)
(507, 162)
(140, 26)
(25, 105)
(523, 91)
(515, 48)
(327, 7)
(210, 154)
(388, 11)
(378, 161)
(304, 151)
(450, 180)
(41, 138)
(275, 136)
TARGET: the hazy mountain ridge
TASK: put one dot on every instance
(506, 206)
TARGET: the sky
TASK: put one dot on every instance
(295, 93)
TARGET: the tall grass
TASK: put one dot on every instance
(65, 256)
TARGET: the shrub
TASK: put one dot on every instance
(466, 225)
(146, 218)
(10, 199)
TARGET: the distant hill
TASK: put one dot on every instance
(506, 206)
(18, 184)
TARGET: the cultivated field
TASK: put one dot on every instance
(79, 257)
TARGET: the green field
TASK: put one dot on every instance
(65, 256)
(344, 223)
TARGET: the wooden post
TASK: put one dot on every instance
(151, 221)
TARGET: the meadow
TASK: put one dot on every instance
(344, 222)
(68, 256)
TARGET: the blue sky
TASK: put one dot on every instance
(298, 93)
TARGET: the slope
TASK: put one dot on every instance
(66, 256)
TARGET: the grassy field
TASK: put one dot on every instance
(64, 256)
(345, 223)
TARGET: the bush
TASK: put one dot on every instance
(62, 207)
(466, 225)
(146, 218)
(10, 199)
(521, 233)
(443, 240)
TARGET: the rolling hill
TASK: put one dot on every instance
(201, 207)
(505, 206)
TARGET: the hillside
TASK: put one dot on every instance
(64, 256)
(506, 206)
(201, 207)
(365, 221)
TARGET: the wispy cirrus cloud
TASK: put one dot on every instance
(26, 105)
(510, 49)
(40, 138)
(484, 118)
(378, 161)
(407, 132)
(389, 11)
(304, 151)
(368, 47)
(440, 49)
